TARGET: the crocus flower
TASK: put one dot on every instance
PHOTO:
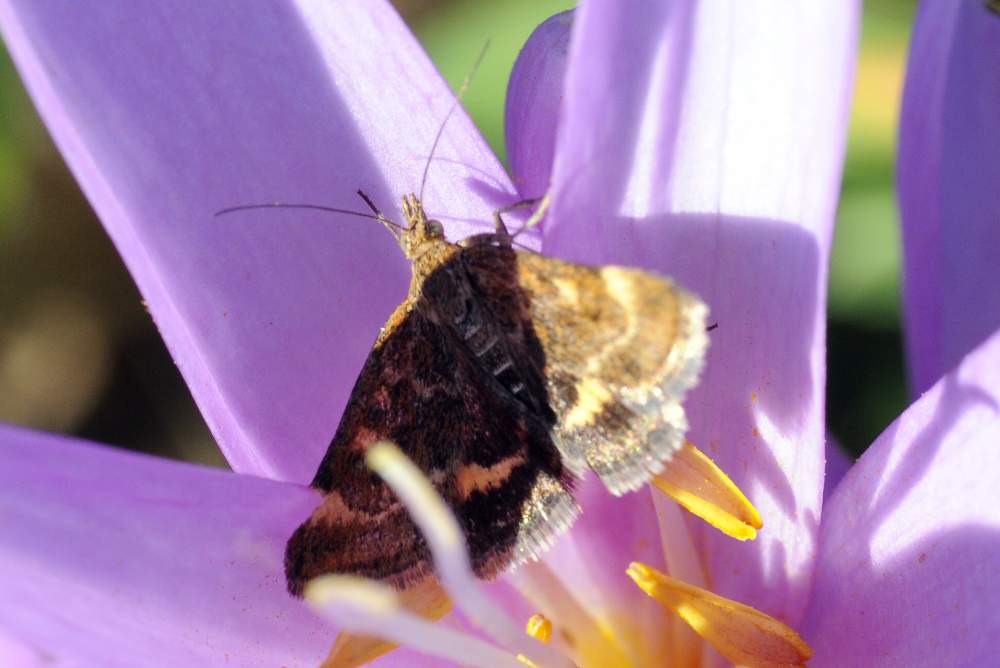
(700, 141)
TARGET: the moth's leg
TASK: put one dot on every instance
(536, 217)
(486, 238)
(500, 235)
(498, 224)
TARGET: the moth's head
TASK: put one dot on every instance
(420, 233)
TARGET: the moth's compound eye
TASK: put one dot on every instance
(434, 228)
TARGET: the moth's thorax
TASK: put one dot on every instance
(432, 254)
(423, 243)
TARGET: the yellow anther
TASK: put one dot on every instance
(742, 634)
(427, 599)
(590, 641)
(539, 627)
(695, 482)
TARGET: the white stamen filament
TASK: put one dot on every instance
(675, 539)
(447, 545)
(682, 563)
(368, 607)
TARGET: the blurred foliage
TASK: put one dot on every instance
(79, 354)
(454, 32)
(866, 383)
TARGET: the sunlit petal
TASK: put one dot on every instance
(705, 141)
(110, 558)
(910, 542)
(167, 114)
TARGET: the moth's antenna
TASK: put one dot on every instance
(314, 207)
(454, 106)
(370, 203)
(378, 214)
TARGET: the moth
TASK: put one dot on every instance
(504, 375)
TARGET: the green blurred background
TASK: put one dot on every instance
(79, 354)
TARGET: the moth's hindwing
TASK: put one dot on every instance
(622, 348)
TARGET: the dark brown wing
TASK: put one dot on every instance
(455, 384)
(623, 347)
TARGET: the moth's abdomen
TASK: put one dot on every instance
(489, 323)
(488, 345)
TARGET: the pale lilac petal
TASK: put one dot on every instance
(910, 543)
(168, 113)
(949, 168)
(838, 463)
(18, 654)
(705, 141)
(534, 98)
(110, 558)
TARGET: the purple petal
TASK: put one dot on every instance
(534, 98)
(167, 114)
(705, 141)
(949, 168)
(17, 654)
(110, 558)
(910, 543)
(838, 463)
